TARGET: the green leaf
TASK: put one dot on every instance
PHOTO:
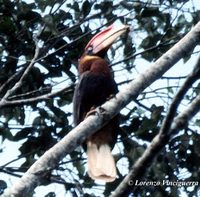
(86, 8)
(23, 133)
(50, 194)
(3, 186)
(150, 11)
(197, 122)
(50, 24)
(7, 26)
(5, 133)
(170, 90)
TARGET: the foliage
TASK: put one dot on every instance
(62, 28)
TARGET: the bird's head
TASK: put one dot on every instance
(101, 42)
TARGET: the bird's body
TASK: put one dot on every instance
(96, 85)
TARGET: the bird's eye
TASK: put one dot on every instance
(90, 50)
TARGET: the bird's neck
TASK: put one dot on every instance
(94, 64)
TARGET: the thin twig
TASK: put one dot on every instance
(37, 99)
(4, 85)
(26, 72)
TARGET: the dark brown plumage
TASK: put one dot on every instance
(95, 86)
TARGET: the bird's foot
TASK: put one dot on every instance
(110, 97)
(91, 112)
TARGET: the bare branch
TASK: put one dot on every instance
(38, 98)
(179, 96)
(160, 45)
(141, 165)
(170, 126)
(19, 83)
(33, 177)
(4, 85)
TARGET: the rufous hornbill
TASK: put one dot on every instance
(95, 86)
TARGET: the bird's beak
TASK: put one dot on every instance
(104, 39)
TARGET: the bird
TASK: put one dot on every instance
(95, 86)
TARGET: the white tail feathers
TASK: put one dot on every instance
(101, 164)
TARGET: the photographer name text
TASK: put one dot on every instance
(164, 183)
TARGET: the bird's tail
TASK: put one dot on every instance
(101, 164)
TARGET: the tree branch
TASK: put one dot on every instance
(5, 102)
(179, 97)
(4, 85)
(36, 99)
(33, 177)
(24, 75)
(170, 126)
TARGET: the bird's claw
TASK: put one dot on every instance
(91, 112)
(110, 97)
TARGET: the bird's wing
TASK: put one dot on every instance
(91, 91)
(77, 100)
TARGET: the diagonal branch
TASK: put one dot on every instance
(24, 75)
(194, 76)
(170, 126)
(43, 97)
(4, 85)
(33, 177)
(140, 167)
